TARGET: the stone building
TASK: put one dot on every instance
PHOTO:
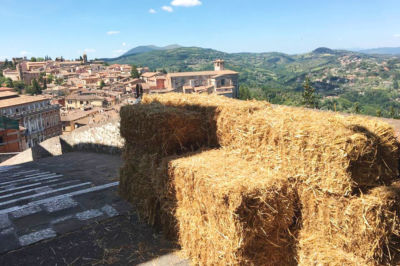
(76, 101)
(36, 114)
(220, 81)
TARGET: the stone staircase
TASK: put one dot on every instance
(37, 205)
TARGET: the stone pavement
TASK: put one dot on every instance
(43, 201)
(37, 205)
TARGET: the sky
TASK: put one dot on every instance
(108, 28)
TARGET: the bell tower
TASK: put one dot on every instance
(219, 65)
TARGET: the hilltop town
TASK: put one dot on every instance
(41, 98)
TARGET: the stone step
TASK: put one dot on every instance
(29, 185)
(42, 194)
(48, 217)
(53, 184)
(37, 205)
(16, 181)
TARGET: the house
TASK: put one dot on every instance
(77, 118)
(76, 101)
(220, 81)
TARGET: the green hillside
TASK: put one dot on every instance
(351, 81)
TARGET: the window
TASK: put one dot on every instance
(222, 82)
(1, 139)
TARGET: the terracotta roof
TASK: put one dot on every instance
(7, 94)
(23, 99)
(202, 73)
(78, 114)
(83, 97)
(6, 89)
(150, 74)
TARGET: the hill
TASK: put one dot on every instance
(382, 50)
(341, 78)
(149, 48)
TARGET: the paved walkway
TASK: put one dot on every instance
(37, 204)
(71, 197)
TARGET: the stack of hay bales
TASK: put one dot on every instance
(231, 211)
(152, 132)
(321, 164)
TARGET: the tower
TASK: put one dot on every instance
(219, 65)
(84, 58)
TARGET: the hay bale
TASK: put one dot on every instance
(135, 183)
(366, 226)
(313, 252)
(333, 153)
(160, 129)
(231, 211)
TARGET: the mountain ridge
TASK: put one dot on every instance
(381, 50)
(148, 48)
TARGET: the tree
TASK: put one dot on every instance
(59, 81)
(44, 84)
(309, 98)
(134, 72)
(19, 86)
(102, 84)
(392, 112)
(34, 88)
(379, 112)
(9, 83)
(50, 78)
(244, 93)
(357, 108)
(33, 59)
(395, 84)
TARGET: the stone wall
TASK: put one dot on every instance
(102, 138)
(99, 138)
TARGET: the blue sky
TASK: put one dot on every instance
(107, 28)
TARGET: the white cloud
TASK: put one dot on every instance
(89, 50)
(24, 53)
(397, 35)
(152, 11)
(113, 32)
(167, 8)
(186, 3)
(124, 44)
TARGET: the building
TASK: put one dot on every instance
(77, 118)
(12, 136)
(36, 114)
(220, 81)
(76, 101)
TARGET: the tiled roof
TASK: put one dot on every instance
(202, 73)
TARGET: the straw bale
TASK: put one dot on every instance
(314, 252)
(135, 183)
(231, 211)
(160, 129)
(330, 152)
(366, 226)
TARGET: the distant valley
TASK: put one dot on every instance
(365, 82)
